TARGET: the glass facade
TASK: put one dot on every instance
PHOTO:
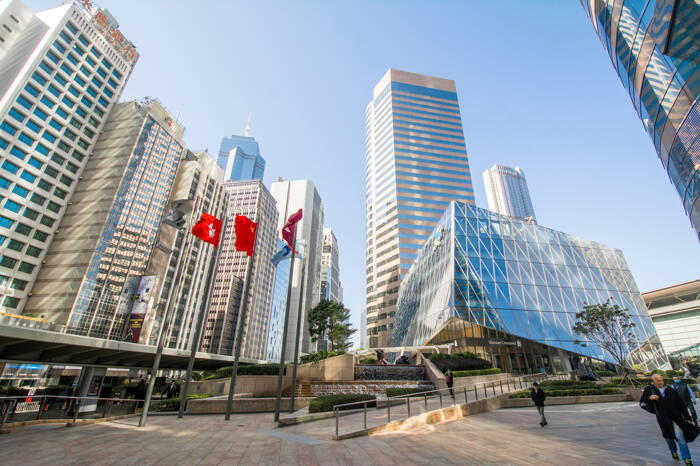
(653, 45)
(279, 307)
(509, 291)
(240, 158)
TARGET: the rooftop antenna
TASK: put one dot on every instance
(247, 125)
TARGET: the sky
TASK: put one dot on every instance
(535, 86)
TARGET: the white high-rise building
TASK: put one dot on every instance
(330, 268)
(61, 70)
(507, 193)
(292, 196)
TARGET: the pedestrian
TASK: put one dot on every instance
(449, 380)
(538, 396)
(172, 390)
(686, 370)
(687, 395)
(674, 420)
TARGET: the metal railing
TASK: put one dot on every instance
(469, 393)
(60, 407)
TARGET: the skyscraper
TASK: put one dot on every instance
(252, 199)
(60, 72)
(240, 158)
(292, 196)
(416, 164)
(100, 258)
(330, 271)
(507, 193)
(277, 311)
(655, 48)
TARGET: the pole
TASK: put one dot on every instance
(240, 327)
(162, 334)
(299, 323)
(278, 402)
(198, 327)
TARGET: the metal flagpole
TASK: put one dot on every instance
(284, 330)
(196, 341)
(162, 335)
(240, 327)
(299, 323)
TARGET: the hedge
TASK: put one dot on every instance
(368, 361)
(494, 370)
(465, 355)
(404, 391)
(458, 362)
(319, 356)
(605, 373)
(326, 402)
(173, 404)
(567, 383)
(252, 369)
(571, 392)
(648, 381)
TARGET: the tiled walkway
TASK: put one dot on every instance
(611, 433)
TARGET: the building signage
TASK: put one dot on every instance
(110, 30)
(505, 343)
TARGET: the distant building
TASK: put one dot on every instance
(655, 48)
(252, 199)
(292, 196)
(278, 309)
(675, 311)
(61, 71)
(363, 329)
(507, 193)
(330, 271)
(97, 279)
(240, 158)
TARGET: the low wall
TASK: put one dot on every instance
(242, 405)
(331, 369)
(434, 374)
(259, 385)
(565, 400)
(475, 379)
(365, 387)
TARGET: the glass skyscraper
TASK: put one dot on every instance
(508, 290)
(279, 307)
(240, 158)
(416, 164)
(507, 193)
(655, 47)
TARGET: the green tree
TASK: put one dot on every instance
(340, 331)
(610, 327)
(328, 318)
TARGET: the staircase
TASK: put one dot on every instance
(303, 390)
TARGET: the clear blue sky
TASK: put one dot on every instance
(535, 85)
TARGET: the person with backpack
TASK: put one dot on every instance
(449, 380)
(538, 397)
(674, 419)
(687, 395)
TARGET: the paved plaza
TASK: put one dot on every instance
(609, 433)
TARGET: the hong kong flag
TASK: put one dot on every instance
(245, 234)
(208, 229)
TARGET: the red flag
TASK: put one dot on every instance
(208, 229)
(287, 231)
(245, 234)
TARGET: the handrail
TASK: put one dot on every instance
(66, 397)
(510, 380)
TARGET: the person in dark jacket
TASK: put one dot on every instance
(687, 395)
(449, 380)
(538, 396)
(671, 415)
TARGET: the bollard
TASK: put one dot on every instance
(365, 415)
(440, 393)
(486, 394)
(476, 394)
(501, 384)
(493, 385)
(425, 398)
(465, 394)
(408, 404)
(335, 411)
(388, 411)
(77, 410)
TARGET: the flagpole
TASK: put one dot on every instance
(299, 323)
(196, 341)
(240, 327)
(284, 330)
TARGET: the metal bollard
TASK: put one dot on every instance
(493, 385)
(388, 411)
(408, 404)
(465, 394)
(335, 411)
(440, 393)
(425, 398)
(486, 394)
(365, 412)
(77, 410)
(501, 384)
(476, 394)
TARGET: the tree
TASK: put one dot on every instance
(611, 327)
(328, 318)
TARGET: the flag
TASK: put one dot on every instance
(208, 229)
(245, 234)
(282, 254)
(287, 230)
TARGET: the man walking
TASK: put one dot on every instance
(449, 380)
(674, 420)
(538, 396)
(687, 395)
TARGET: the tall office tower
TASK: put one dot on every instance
(292, 196)
(100, 258)
(198, 188)
(278, 309)
(60, 72)
(330, 271)
(655, 48)
(252, 199)
(507, 193)
(363, 329)
(416, 163)
(240, 158)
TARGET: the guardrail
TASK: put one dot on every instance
(467, 392)
(60, 407)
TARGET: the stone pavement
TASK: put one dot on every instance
(609, 433)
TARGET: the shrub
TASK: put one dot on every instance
(494, 370)
(325, 403)
(173, 404)
(319, 356)
(465, 355)
(458, 362)
(647, 381)
(570, 392)
(404, 391)
(251, 369)
(368, 361)
(605, 373)
(566, 383)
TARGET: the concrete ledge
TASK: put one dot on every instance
(217, 405)
(565, 400)
(78, 422)
(477, 379)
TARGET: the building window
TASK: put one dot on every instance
(8, 262)
(10, 302)
(16, 245)
(23, 229)
(30, 213)
(26, 267)
(40, 236)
